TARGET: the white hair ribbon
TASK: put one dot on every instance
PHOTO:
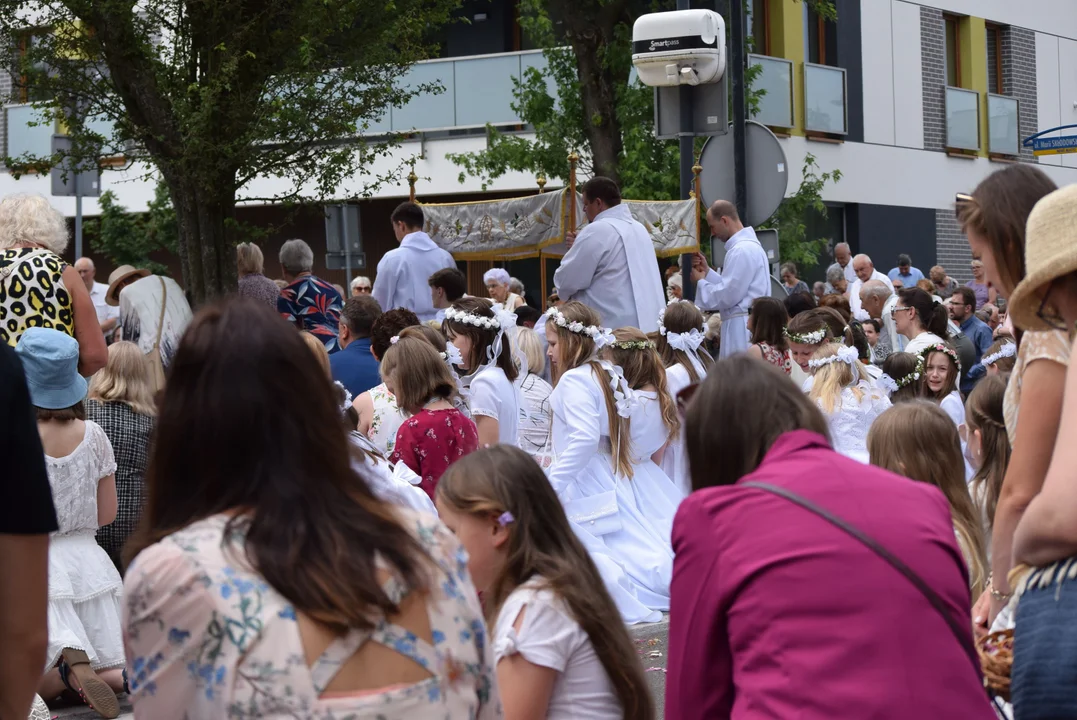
(623, 395)
(887, 383)
(848, 355)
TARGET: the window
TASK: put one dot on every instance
(821, 43)
(994, 59)
(759, 27)
(26, 89)
(952, 42)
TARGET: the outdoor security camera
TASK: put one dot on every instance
(683, 47)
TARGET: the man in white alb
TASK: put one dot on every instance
(745, 277)
(404, 272)
(865, 271)
(611, 265)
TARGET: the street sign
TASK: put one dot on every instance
(766, 169)
(339, 261)
(342, 234)
(1054, 146)
(66, 181)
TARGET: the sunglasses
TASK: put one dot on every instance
(895, 310)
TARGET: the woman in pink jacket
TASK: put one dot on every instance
(778, 612)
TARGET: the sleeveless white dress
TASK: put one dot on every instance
(675, 459)
(851, 419)
(624, 523)
(85, 590)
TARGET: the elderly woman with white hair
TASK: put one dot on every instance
(497, 287)
(39, 289)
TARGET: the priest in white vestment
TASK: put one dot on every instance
(404, 272)
(611, 265)
(745, 276)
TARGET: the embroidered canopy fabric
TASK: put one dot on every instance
(528, 226)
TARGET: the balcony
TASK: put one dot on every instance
(825, 99)
(475, 91)
(29, 131)
(962, 110)
(776, 79)
(1003, 133)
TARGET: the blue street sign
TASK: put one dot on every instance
(1052, 146)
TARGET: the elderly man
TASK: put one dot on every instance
(611, 265)
(878, 302)
(745, 277)
(836, 284)
(962, 311)
(865, 270)
(310, 302)
(990, 316)
(107, 316)
(844, 263)
(404, 272)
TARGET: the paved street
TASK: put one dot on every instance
(650, 644)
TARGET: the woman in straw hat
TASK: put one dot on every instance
(993, 217)
(1046, 657)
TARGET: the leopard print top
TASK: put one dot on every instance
(32, 293)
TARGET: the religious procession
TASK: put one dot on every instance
(581, 453)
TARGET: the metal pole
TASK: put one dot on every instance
(687, 151)
(78, 214)
(347, 253)
(737, 32)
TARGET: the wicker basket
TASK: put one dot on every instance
(996, 659)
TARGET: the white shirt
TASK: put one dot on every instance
(745, 276)
(921, 341)
(551, 638)
(492, 395)
(105, 312)
(854, 294)
(404, 272)
(847, 271)
(612, 268)
(893, 339)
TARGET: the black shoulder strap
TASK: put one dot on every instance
(932, 597)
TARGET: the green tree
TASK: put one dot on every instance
(127, 238)
(214, 95)
(789, 219)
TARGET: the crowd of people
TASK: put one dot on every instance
(412, 502)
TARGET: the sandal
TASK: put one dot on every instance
(92, 690)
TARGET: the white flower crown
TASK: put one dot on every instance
(813, 338)
(601, 336)
(479, 321)
(945, 349)
(848, 355)
(887, 383)
(1006, 351)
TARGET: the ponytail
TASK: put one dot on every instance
(932, 314)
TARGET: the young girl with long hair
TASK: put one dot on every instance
(988, 445)
(767, 319)
(916, 439)
(920, 318)
(680, 341)
(560, 648)
(436, 434)
(942, 370)
(902, 373)
(604, 436)
(484, 339)
(807, 332)
(844, 391)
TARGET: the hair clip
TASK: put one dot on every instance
(394, 339)
(505, 518)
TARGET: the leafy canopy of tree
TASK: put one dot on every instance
(215, 94)
(129, 238)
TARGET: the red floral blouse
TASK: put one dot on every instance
(432, 440)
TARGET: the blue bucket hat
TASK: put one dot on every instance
(50, 360)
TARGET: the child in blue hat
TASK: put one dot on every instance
(85, 590)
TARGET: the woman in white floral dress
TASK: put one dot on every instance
(240, 603)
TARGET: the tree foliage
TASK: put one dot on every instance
(218, 95)
(789, 219)
(127, 238)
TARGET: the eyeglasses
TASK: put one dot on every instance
(1050, 317)
(894, 310)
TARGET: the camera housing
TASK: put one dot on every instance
(682, 47)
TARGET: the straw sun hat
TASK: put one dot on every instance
(118, 276)
(1050, 253)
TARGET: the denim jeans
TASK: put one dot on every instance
(1044, 675)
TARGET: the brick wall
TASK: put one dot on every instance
(5, 93)
(933, 60)
(1019, 80)
(952, 249)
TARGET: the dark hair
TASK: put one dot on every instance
(541, 543)
(452, 281)
(481, 338)
(797, 303)
(602, 188)
(904, 260)
(953, 374)
(860, 340)
(75, 412)
(408, 213)
(983, 412)
(359, 314)
(769, 319)
(968, 296)
(931, 313)
(388, 325)
(810, 321)
(839, 303)
(527, 314)
(722, 446)
(899, 366)
(874, 323)
(225, 443)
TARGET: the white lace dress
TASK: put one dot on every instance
(851, 419)
(85, 591)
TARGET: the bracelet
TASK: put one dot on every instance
(1001, 596)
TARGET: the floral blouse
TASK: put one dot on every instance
(207, 637)
(432, 440)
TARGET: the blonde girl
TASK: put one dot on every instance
(604, 435)
(807, 332)
(843, 390)
(917, 439)
(942, 369)
(436, 434)
(560, 649)
(988, 445)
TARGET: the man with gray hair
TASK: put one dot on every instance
(865, 271)
(878, 302)
(844, 257)
(310, 302)
(107, 316)
(836, 284)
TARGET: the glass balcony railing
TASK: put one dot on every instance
(776, 80)
(29, 131)
(1003, 133)
(825, 99)
(475, 91)
(962, 119)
